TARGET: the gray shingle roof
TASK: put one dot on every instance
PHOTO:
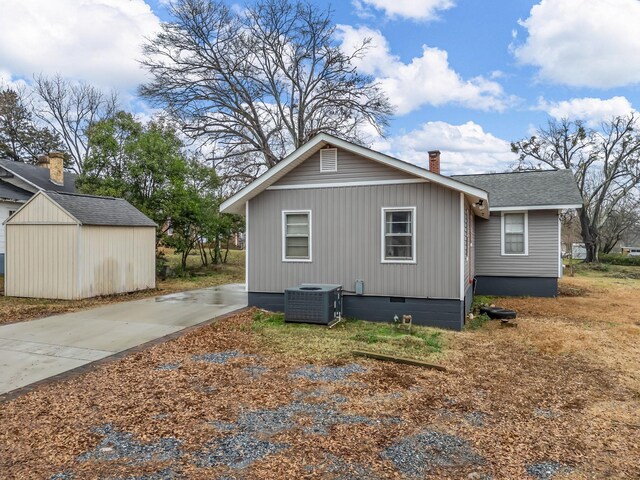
(92, 210)
(11, 192)
(520, 189)
(39, 176)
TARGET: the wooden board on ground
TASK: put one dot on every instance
(391, 358)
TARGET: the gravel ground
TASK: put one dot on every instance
(337, 469)
(219, 357)
(256, 371)
(121, 445)
(272, 421)
(477, 419)
(164, 474)
(167, 367)
(328, 374)
(545, 413)
(547, 470)
(237, 451)
(417, 455)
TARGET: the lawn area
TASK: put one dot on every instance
(250, 397)
(19, 309)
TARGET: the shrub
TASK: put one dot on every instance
(617, 259)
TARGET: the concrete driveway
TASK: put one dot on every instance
(38, 349)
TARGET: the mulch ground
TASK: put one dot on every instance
(215, 404)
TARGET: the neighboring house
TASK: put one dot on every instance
(20, 181)
(334, 212)
(71, 246)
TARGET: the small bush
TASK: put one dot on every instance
(617, 259)
(477, 322)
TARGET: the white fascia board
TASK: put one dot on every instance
(234, 203)
(534, 207)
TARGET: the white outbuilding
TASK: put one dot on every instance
(71, 246)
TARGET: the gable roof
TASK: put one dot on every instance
(38, 176)
(92, 210)
(555, 189)
(236, 203)
(12, 193)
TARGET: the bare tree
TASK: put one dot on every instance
(258, 83)
(620, 224)
(70, 109)
(21, 139)
(605, 162)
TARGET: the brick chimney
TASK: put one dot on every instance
(434, 161)
(54, 161)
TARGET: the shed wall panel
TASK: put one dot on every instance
(542, 260)
(41, 261)
(42, 210)
(346, 240)
(351, 168)
(116, 259)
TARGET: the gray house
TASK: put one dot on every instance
(20, 181)
(334, 212)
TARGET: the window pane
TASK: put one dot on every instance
(513, 243)
(514, 223)
(297, 229)
(395, 252)
(393, 240)
(297, 252)
(398, 222)
(297, 247)
(296, 235)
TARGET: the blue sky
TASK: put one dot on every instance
(466, 76)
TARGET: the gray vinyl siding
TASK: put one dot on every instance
(351, 168)
(542, 260)
(346, 240)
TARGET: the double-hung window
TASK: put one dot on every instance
(399, 235)
(514, 233)
(296, 236)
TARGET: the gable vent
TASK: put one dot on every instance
(329, 160)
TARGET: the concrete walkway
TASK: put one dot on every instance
(38, 349)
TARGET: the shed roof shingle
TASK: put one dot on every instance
(92, 210)
(39, 176)
(523, 189)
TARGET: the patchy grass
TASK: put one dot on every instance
(337, 343)
(14, 309)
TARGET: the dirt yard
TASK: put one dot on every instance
(557, 397)
(20, 309)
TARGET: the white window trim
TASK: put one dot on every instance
(526, 234)
(284, 233)
(335, 152)
(414, 233)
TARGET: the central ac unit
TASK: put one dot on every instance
(319, 304)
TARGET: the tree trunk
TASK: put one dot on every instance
(588, 237)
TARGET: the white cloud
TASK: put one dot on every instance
(414, 9)
(587, 43)
(425, 80)
(465, 148)
(97, 41)
(592, 110)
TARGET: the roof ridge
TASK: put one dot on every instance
(83, 195)
(509, 173)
